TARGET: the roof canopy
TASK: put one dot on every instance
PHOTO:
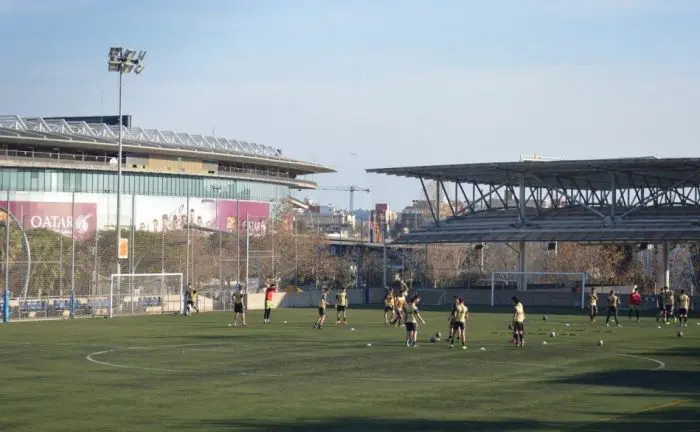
(59, 131)
(607, 200)
(594, 174)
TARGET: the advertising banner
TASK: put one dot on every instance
(170, 214)
(56, 216)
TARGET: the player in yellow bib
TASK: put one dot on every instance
(459, 323)
(683, 308)
(322, 305)
(341, 306)
(518, 322)
(239, 307)
(593, 305)
(399, 308)
(412, 317)
(613, 308)
(388, 307)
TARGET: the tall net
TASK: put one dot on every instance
(543, 289)
(142, 294)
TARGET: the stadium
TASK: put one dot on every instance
(58, 178)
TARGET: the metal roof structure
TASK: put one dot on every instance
(608, 200)
(57, 131)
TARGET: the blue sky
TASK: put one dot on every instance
(360, 84)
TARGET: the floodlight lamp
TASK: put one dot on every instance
(478, 246)
(129, 55)
(127, 67)
(113, 66)
(115, 54)
(138, 69)
(141, 55)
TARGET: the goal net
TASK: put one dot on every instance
(143, 294)
(432, 296)
(539, 288)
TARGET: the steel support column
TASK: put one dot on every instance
(667, 266)
(522, 268)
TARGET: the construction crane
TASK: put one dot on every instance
(350, 189)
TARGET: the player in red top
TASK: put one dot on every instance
(635, 303)
(269, 293)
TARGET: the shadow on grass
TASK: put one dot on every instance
(679, 419)
(681, 384)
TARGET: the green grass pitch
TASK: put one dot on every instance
(176, 373)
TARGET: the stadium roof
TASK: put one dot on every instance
(37, 130)
(607, 200)
(592, 174)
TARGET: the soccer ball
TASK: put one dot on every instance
(544, 318)
(229, 324)
(438, 335)
(544, 342)
(680, 334)
(369, 344)
(552, 334)
(567, 324)
(433, 339)
(600, 343)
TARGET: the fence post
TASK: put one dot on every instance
(72, 267)
(6, 292)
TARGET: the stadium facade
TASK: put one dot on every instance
(47, 164)
(58, 184)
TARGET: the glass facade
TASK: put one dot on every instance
(137, 183)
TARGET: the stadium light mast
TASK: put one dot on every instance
(122, 60)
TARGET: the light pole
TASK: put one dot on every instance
(122, 60)
(217, 191)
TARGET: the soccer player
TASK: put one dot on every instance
(451, 318)
(661, 304)
(341, 306)
(388, 307)
(670, 298)
(412, 317)
(593, 305)
(459, 323)
(635, 303)
(322, 305)
(683, 306)
(399, 306)
(518, 322)
(613, 307)
(239, 307)
(269, 294)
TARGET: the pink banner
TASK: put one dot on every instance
(58, 217)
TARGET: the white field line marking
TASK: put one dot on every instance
(661, 365)
(91, 358)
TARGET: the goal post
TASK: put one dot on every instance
(555, 289)
(145, 294)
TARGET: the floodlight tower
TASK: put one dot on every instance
(123, 61)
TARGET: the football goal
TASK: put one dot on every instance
(143, 294)
(539, 288)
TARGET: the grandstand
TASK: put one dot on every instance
(58, 184)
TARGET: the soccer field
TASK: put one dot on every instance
(197, 373)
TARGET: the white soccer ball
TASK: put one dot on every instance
(658, 326)
(369, 344)
(544, 318)
(229, 324)
(544, 342)
(600, 343)
(567, 324)
(285, 322)
(552, 334)
(483, 348)
(352, 329)
(680, 334)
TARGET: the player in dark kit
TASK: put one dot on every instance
(451, 318)
(613, 308)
